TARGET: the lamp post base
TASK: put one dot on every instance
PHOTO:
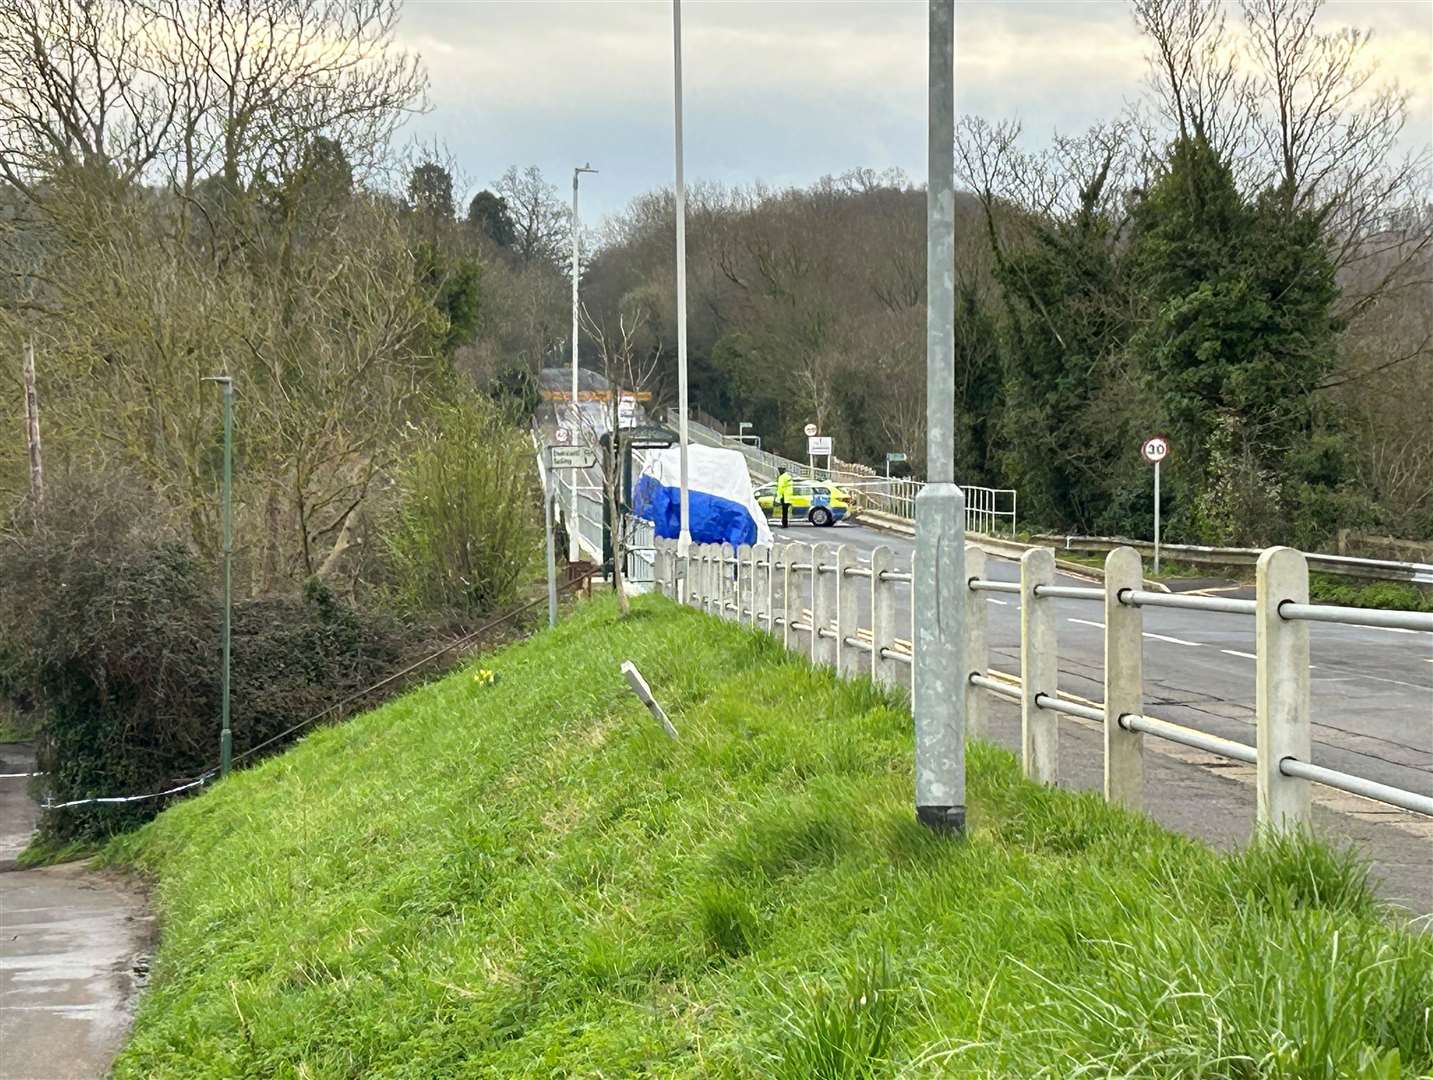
(942, 819)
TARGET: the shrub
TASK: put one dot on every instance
(467, 534)
(111, 627)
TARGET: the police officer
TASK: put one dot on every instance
(783, 496)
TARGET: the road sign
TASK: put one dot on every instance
(1155, 450)
(563, 436)
(818, 445)
(571, 457)
(811, 429)
(895, 456)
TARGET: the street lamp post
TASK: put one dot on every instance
(684, 539)
(939, 670)
(572, 550)
(226, 737)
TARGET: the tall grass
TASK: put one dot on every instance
(529, 879)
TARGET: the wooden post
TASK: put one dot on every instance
(32, 428)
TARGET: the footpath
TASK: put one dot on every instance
(73, 952)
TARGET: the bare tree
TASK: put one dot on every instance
(82, 88)
(628, 369)
(542, 221)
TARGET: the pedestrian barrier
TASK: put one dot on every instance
(987, 510)
(821, 600)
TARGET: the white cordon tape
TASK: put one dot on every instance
(130, 798)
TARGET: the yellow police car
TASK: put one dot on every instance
(821, 501)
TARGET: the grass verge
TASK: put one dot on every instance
(528, 879)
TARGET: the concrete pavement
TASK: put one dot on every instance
(73, 952)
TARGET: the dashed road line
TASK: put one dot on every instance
(992, 600)
(1236, 652)
(1173, 640)
(1088, 622)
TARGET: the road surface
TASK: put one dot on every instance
(1372, 688)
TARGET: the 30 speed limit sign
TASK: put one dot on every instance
(1155, 449)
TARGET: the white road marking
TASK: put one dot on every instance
(1173, 640)
(1236, 652)
(992, 600)
(1088, 622)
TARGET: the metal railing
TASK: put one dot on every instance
(988, 511)
(587, 525)
(1343, 565)
(823, 601)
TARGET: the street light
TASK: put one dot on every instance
(684, 538)
(939, 671)
(572, 551)
(226, 737)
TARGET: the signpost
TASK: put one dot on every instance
(894, 456)
(818, 446)
(1155, 450)
(560, 457)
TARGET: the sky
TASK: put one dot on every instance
(786, 91)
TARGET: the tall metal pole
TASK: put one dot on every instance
(572, 550)
(226, 737)
(684, 540)
(547, 497)
(1156, 517)
(940, 670)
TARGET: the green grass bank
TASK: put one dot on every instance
(529, 879)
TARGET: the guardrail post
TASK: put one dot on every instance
(730, 566)
(759, 554)
(1124, 680)
(710, 577)
(1039, 668)
(1281, 697)
(823, 604)
(790, 609)
(883, 618)
(977, 655)
(768, 590)
(745, 583)
(848, 612)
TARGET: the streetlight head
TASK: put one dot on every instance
(585, 168)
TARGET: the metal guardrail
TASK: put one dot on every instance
(851, 624)
(1343, 565)
(587, 525)
(987, 510)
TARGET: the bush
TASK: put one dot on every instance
(111, 627)
(467, 535)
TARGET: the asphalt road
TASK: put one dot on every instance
(1372, 689)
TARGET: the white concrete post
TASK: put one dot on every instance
(1124, 680)
(1281, 696)
(709, 577)
(1039, 668)
(883, 618)
(823, 604)
(745, 584)
(768, 589)
(759, 554)
(848, 611)
(977, 655)
(790, 587)
(730, 586)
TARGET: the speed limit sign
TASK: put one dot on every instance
(810, 429)
(562, 436)
(1155, 449)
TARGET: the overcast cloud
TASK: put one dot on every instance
(783, 91)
